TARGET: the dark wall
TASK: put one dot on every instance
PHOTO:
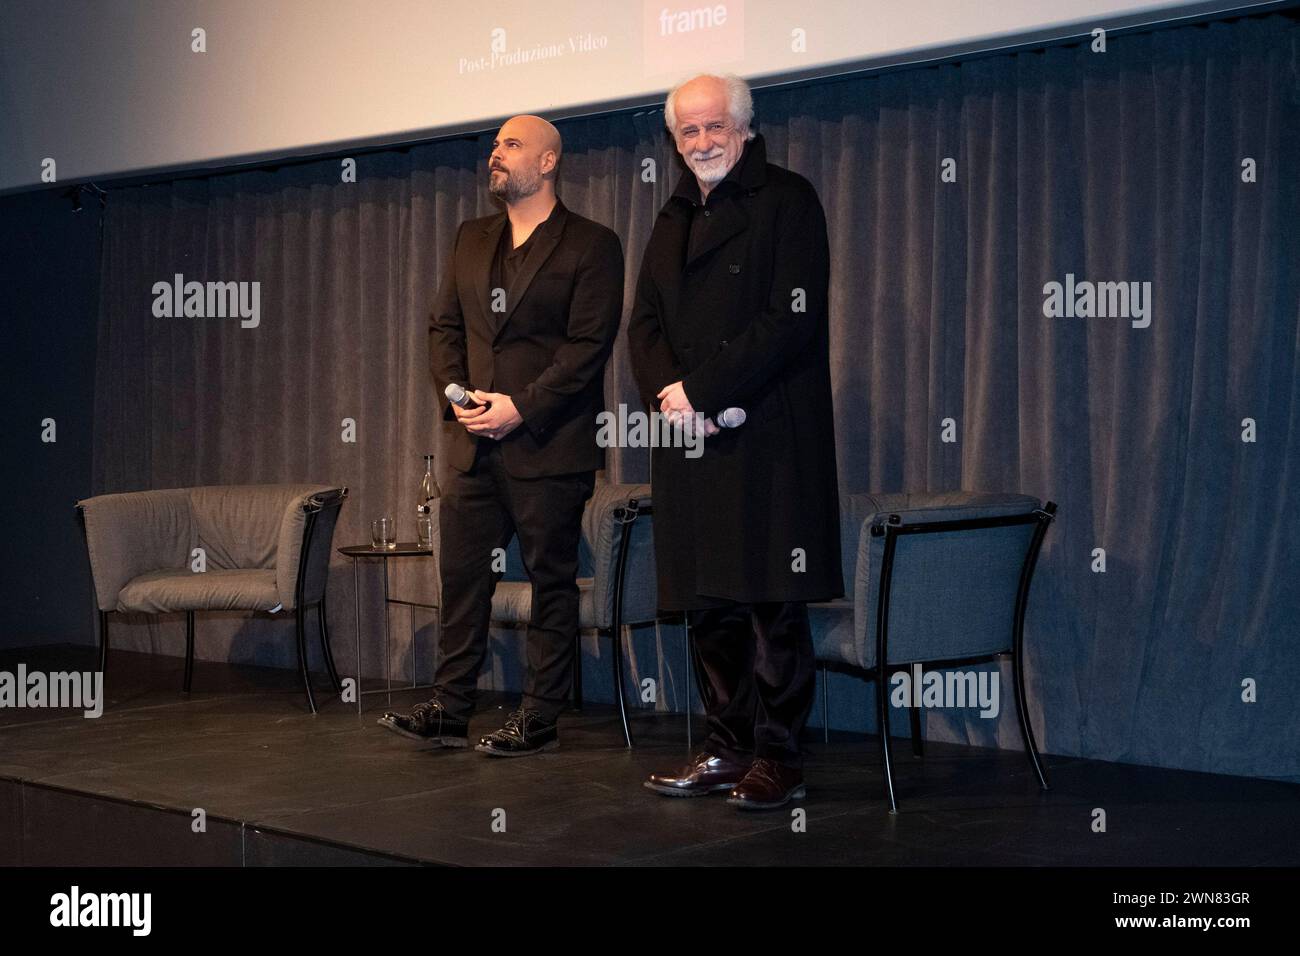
(49, 287)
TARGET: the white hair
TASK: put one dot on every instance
(740, 104)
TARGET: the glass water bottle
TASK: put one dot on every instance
(429, 490)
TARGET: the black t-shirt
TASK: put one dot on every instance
(508, 260)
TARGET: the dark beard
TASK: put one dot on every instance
(511, 189)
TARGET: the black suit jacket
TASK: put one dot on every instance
(546, 349)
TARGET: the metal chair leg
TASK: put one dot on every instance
(1044, 516)
(882, 717)
(1027, 731)
(577, 673)
(882, 657)
(826, 706)
(325, 647)
(300, 623)
(690, 704)
(617, 658)
(914, 716)
(189, 649)
(103, 641)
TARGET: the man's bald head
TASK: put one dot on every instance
(525, 158)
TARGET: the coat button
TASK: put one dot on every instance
(734, 268)
(496, 348)
(707, 213)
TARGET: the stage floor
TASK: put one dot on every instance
(280, 787)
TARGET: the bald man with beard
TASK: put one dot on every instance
(525, 318)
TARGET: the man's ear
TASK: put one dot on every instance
(549, 162)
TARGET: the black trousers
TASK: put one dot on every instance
(480, 510)
(758, 678)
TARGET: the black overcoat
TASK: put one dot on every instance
(736, 308)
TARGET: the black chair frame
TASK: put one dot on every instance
(626, 515)
(892, 528)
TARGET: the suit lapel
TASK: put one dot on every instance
(483, 256)
(543, 245)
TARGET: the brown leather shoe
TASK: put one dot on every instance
(768, 785)
(705, 773)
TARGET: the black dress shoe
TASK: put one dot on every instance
(768, 785)
(705, 773)
(525, 733)
(428, 721)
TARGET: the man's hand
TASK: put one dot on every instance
(496, 422)
(466, 415)
(674, 404)
(706, 426)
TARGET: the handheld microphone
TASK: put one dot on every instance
(459, 397)
(730, 418)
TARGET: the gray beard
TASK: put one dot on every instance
(713, 173)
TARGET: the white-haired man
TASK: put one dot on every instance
(731, 311)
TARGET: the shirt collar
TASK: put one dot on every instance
(551, 224)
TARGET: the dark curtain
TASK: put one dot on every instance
(1122, 166)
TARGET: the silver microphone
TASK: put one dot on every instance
(730, 418)
(458, 396)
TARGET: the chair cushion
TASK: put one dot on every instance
(239, 525)
(512, 603)
(832, 630)
(953, 595)
(217, 589)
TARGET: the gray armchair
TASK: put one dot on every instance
(940, 579)
(266, 548)
(616, 577)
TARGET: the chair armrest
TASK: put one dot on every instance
(614, 513)
(133, 532)
(323, 502)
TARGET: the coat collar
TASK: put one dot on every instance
(726, 211)
(750, 172)
(549, 232)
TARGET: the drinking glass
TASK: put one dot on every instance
(382, 535)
